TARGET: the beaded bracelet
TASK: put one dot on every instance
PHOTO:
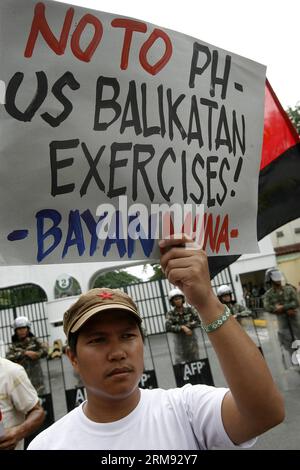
(218, 322)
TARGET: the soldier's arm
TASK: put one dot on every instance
(292, 301)
(241, 308)
(195, 321)
(269, 304)
(244, 310)
(36, 349)
(41, 348)
(15, 354)
(171, 326)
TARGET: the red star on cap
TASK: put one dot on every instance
(105, 295)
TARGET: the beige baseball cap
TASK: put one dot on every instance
(96, 301)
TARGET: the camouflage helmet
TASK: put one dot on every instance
(224, 290)
(21, 322)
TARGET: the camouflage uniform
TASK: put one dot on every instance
(236, 309)
(287, 297)
(239, 312)
(186, 347)
(32, 367)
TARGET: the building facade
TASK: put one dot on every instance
(286, 242)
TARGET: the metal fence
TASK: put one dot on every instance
(63, 387)
(152, 299)
(22, 300)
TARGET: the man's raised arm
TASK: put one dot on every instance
(254, 404)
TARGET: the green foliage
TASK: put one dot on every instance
(23, 294)
(294, 115)
(158, 274)
(115, 279)
(4, 299)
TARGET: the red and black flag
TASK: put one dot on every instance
(279, 177)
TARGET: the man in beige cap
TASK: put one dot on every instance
(106, 348)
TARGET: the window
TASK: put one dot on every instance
(297, 230)
(279, 234)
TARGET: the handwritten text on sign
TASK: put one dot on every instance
(99, 107)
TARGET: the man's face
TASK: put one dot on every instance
(109, 355)
(22, 333)
(226, 299)
(177, 301)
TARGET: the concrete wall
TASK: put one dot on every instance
(290, 266)
(289, 237)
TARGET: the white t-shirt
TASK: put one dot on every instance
(17, 395)
(181, 418)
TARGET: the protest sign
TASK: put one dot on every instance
(107, 122)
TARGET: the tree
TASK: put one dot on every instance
(23, 294)
(158, 273)
(294, 115)
(115, 279)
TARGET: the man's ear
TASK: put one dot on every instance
(72, 358)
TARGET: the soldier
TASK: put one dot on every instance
(224, 294)
(26, 350)
(182, 320)
(282, 301)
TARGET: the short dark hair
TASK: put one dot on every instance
(72, 341)
(73, 338)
